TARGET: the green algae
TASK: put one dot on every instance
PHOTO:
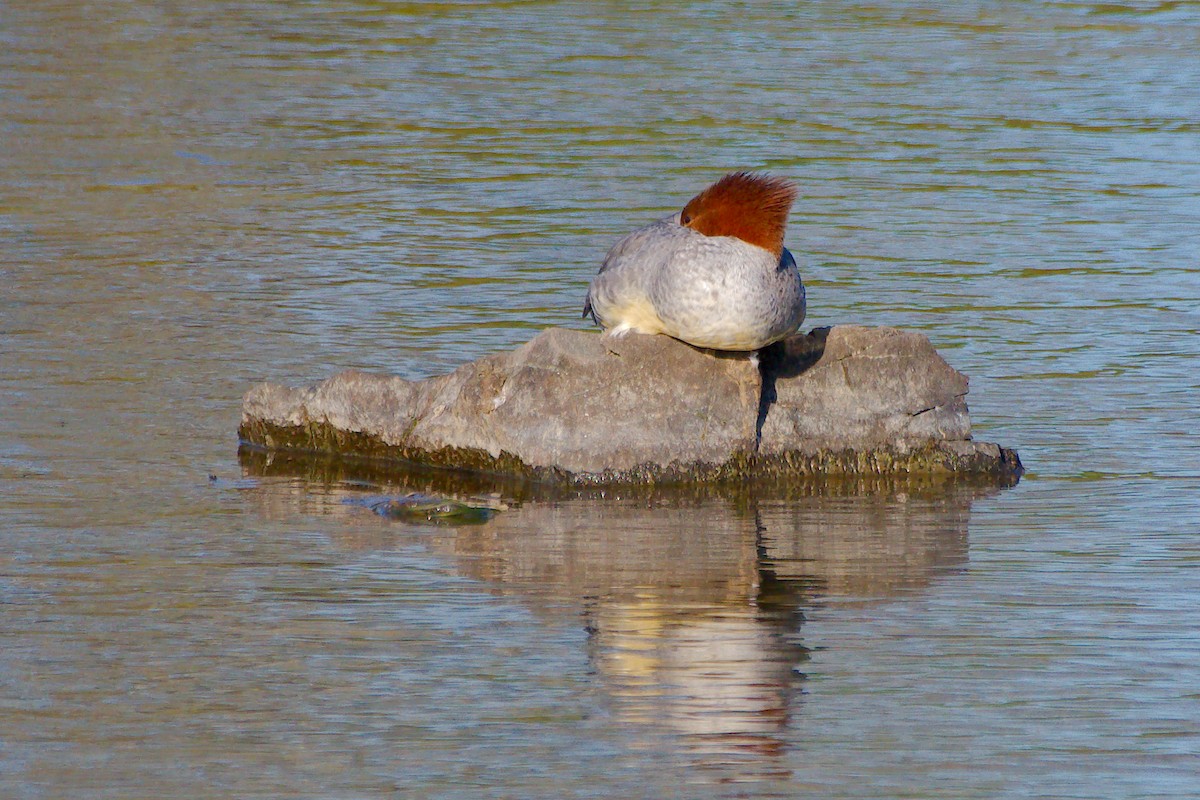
(932, 463)
(418, 507)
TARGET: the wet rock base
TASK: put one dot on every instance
(579, 408)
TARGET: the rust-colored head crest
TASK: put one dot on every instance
(754, 208)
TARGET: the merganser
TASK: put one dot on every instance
(714, 275)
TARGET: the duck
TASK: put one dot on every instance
(714, 275)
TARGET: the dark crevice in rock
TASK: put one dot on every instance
(786, 359)
(766, 397)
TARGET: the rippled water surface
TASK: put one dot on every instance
(198, 196)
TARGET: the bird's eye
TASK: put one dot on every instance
(684, 218)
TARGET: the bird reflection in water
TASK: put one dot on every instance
(720, 677)
(691, 635)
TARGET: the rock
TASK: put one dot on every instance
(418, 507)
(567, 401)
(579, 407)
(856, 388)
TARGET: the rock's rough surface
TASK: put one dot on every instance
(856, 388)
(577, 406)
(567, 400)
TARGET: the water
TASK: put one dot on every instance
(199, 196)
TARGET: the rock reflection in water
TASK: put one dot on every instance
(693, 598)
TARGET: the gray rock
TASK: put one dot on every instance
(567, 401)
(576, 406)
(855, 388)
